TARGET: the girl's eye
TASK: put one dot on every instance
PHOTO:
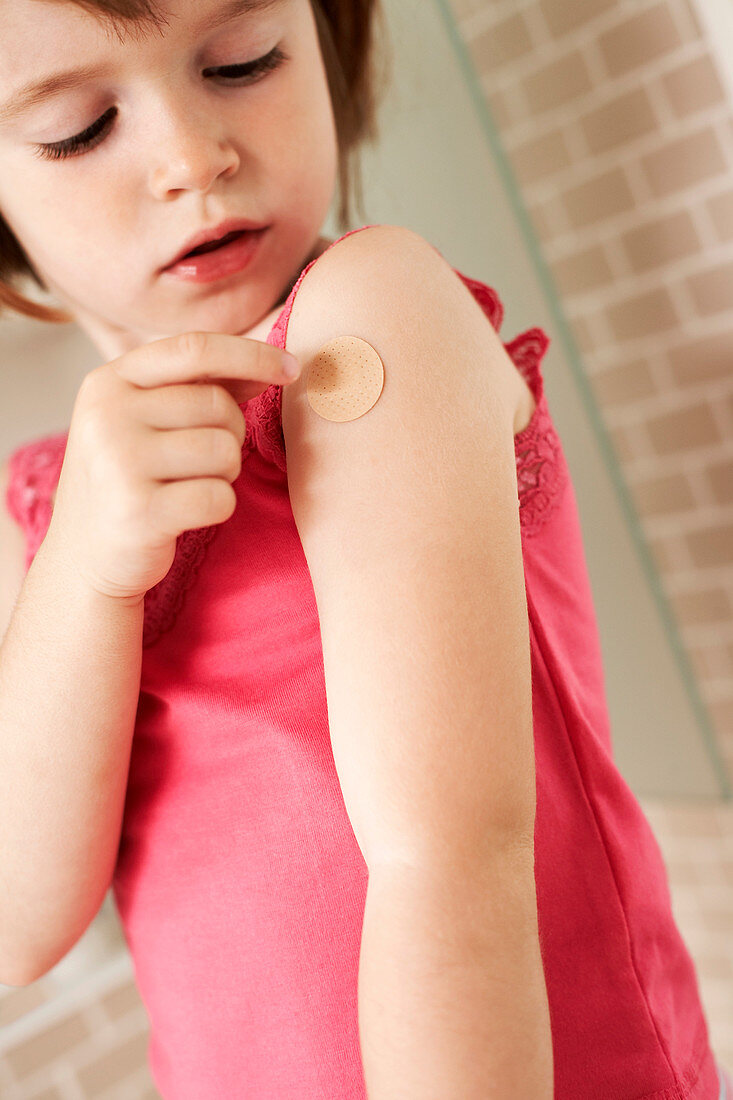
(251, 71)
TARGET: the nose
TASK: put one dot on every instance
(190, 150)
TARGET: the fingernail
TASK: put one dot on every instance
(291, 366)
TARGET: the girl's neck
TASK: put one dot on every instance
(261, 330)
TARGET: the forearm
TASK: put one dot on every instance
(452, 996)
(69, 684)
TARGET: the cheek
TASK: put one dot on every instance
(54, 197)
(313, 139)
(40, 216)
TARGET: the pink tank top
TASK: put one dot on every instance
(239, 882)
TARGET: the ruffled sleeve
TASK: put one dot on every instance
(33, 474)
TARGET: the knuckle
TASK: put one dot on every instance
(259, 358)
(91, 426)
(212, 490)
(231, 453)
(218, 403)
(198, 493)
(192, 346)
(89, 392)
(239, 426)
(263, 366)
(219, 446)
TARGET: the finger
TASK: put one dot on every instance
(235, 361)
(190, 406)
(193, 452)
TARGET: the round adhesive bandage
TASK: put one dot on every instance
(345, 379)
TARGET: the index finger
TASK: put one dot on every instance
(234, 361)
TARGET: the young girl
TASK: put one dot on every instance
(192, 654)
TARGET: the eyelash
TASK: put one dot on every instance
(96, 133)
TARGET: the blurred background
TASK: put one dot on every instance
(578, 157)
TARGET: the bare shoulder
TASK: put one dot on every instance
(363, 252)
(12, 555)
(400, 280)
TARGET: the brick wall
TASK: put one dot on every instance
(620, 134)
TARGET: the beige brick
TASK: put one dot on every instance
(693, 87)
(582, 271)
(690, 821)
(623, 383)
(559, 82)
(698, 661)
(625, 443)
(659, 496)
(682, 874)
(463, 8)
(721, 715)
(542, 216)
(712, 290)
(563, 16)
(713, 546)
(685, 161)
(18, 1002)
(727, 870)
(46, 1046)
(712, 661)
(619, 122)
(703, 360)
(710, 605)
(714, 964)
(643, 314)
(121, 1001)
(583, 333)
(720, 208)
(664, 552)
(540, 157)
(692, 26)
(500, 109)
(720, 478)
(114, 1066)
(500, 44)
(600, 197)
(661, 242)
(639, 40)
(683, 430)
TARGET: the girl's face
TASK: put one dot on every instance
(180, 147)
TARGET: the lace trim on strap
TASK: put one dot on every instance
(264, 412)
(33, 473)
(263, 415)
(541, 471)
(164, 600)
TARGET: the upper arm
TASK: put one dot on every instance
(409, 521)
(12, 556)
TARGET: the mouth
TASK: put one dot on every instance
(232, 229)
(217, 259)
(211, 246)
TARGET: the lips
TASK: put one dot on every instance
(214, 244)
(219, 260)
(213, 237)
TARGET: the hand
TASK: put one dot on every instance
(153, 448)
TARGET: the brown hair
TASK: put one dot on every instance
(347, 41)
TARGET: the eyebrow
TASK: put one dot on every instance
(30, 95)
